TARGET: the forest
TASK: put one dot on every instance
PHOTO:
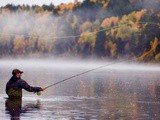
(103, 29)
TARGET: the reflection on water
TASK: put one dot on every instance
(14, 108)
(100, 95)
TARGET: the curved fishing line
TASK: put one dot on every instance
(103, 66)
(76, 36)
(64, 37)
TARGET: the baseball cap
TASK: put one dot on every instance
(15, 71)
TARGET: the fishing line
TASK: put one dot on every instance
(64, 37)
(76, 36)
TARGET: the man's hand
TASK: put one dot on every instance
(42, 89)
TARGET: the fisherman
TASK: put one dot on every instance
(15, 85)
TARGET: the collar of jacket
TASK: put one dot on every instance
(14, 79)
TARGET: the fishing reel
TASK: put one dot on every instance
(39, 93)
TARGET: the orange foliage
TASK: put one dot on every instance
(86, 26)
(67, 6)
(139, 14)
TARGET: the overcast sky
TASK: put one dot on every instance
(34, 2)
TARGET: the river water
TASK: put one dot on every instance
(117, 92)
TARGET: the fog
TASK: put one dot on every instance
(46, 25)
(25, 22)
(46, 30)
(65, 64)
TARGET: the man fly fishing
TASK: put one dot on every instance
(15, 85)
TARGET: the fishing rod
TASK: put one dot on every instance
(103, 66)
(69, 78)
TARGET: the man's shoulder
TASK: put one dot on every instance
(21, 81)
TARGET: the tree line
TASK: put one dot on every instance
(109, 29)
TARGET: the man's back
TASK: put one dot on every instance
(13, 88)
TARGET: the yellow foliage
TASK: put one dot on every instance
(19, 44)
(108, 22)
(157, 57)
(154, 44)
(151, 51)
(126, 32)
(85, 37)
(113, 49)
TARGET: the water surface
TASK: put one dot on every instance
(121, 91)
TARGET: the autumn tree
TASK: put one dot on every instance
(99, 44)
(19, 45)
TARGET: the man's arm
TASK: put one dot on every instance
(29, 88)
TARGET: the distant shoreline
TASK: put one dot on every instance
(36, 2)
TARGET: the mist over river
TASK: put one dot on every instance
(119, 91)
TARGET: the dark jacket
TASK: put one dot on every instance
(15, 85)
